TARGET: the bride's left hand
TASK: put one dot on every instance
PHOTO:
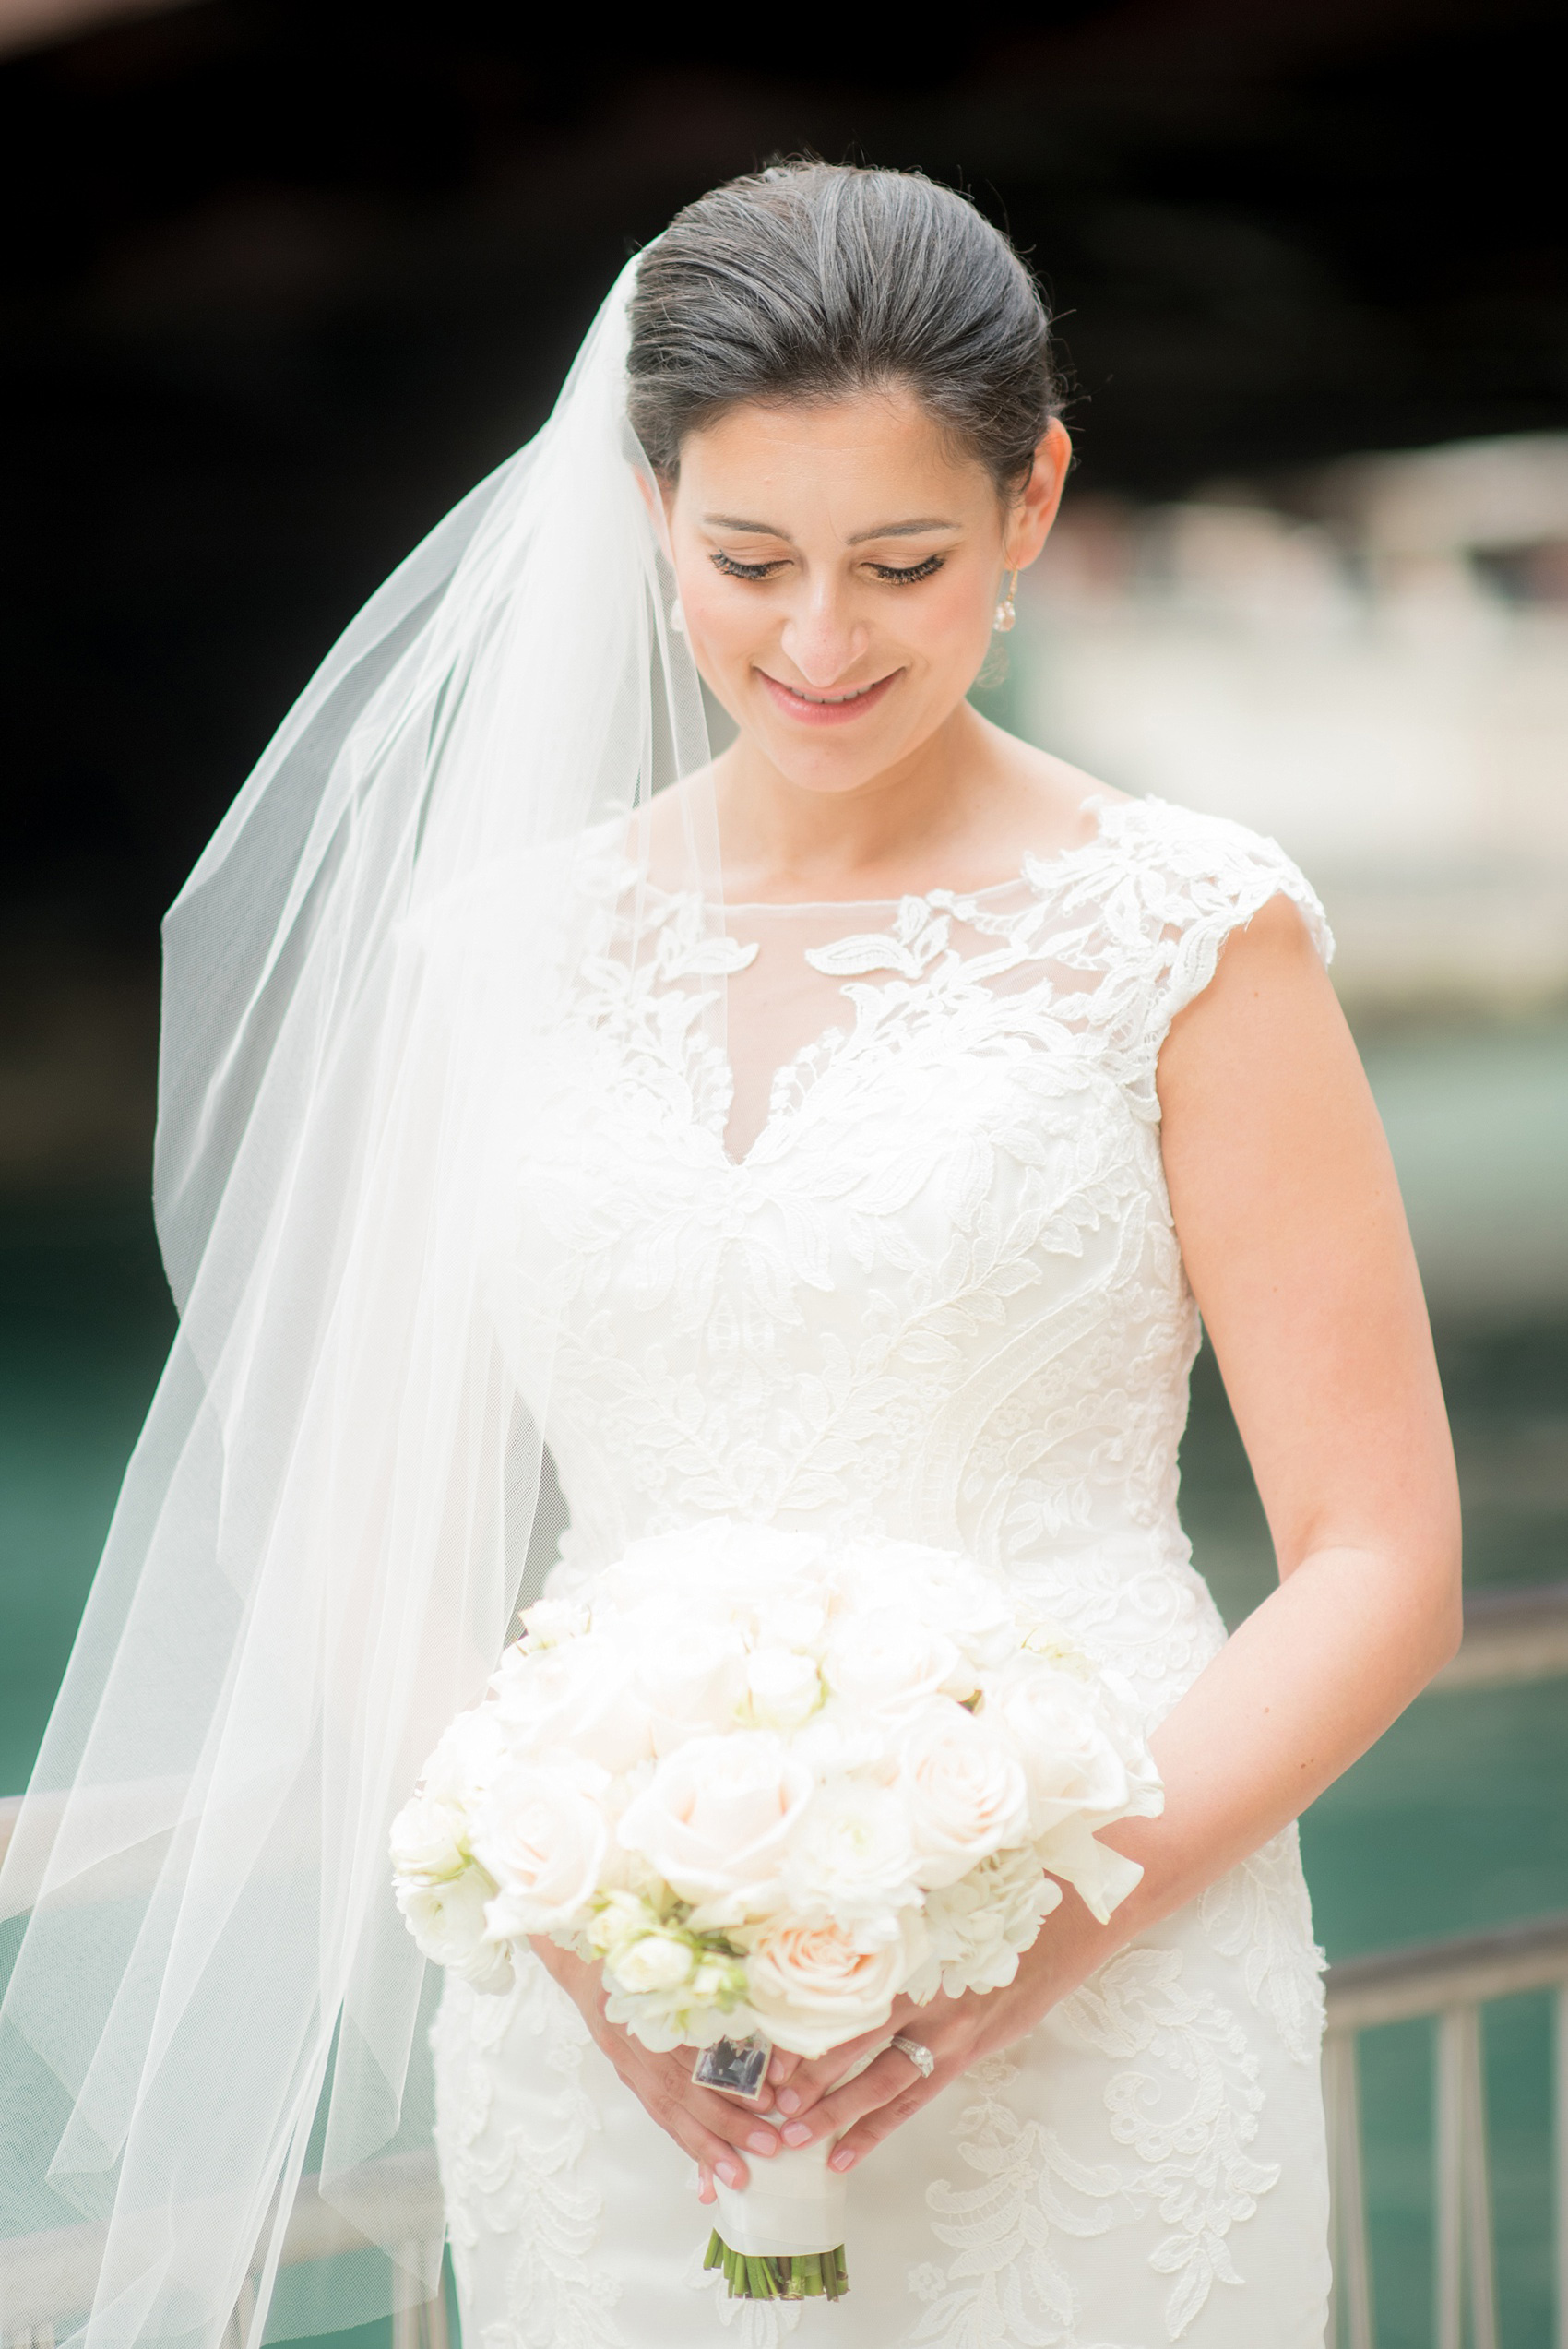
(957, 2032)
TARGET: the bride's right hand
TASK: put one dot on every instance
(713, 2129)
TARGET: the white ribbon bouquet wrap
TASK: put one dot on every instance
(773, 1783)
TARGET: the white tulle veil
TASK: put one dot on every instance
(213, 2046)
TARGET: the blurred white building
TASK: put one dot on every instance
(1383, 687)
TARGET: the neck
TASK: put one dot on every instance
(874, 839)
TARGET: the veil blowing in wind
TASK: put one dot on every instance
(216, 2021)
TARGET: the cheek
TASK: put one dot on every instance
(953, 621)
(726, 624)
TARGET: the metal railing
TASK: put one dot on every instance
(1447, 1983)
(48, 2279)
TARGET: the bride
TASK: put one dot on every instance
(845, 1132)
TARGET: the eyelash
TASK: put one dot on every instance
(887, 571)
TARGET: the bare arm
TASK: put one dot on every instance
(1288, 1216)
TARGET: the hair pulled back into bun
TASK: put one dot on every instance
(813, 281)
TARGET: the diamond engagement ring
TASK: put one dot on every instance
(922, 2058)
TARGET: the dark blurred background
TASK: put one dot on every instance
(280, 282)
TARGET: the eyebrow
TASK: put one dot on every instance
(883, 529)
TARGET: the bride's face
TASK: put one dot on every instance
(838, 569)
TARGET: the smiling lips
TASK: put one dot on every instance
(827, 710)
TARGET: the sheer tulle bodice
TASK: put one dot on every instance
(859, 1220)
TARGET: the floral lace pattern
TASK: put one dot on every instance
(1260, 1915)
(521, 2182)
(937, 1294)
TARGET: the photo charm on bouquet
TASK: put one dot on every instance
(773, 1783)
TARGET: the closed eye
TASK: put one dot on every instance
(906, 575)
(733, 570)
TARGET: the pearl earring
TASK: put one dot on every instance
(1006, 615)
(678, 617)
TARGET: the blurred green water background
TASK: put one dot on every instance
(1457, 1821)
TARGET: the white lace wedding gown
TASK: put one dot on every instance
(940, 1296)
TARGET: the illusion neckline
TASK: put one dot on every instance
(1031, 863)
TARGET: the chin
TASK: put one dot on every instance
(828, 768)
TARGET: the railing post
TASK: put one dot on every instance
(1560, 2133)
(421, 2324)
(1464, 2190)
(1348, 2237)
(1448, 2138)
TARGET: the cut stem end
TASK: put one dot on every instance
(803, 2275)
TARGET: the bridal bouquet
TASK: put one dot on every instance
(773, 1783)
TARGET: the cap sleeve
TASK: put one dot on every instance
(1201, 878)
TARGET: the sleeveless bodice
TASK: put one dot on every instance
(939, 1296)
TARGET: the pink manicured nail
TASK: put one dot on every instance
(788, 2101)
(763, 2141)
(728, 2171)
(797, 2133)
(842, 2160)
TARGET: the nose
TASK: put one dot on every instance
(821, 636)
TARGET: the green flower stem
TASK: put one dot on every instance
(805, 2275)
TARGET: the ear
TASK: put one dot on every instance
(1028, 525)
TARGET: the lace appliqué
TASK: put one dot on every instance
(1188, 2123)
(1260, 1912)
(1187, 2112)
(525, 2181)
(1005, 2287)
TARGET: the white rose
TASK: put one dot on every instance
(691, 1682)
(657, 1960)
(887, 1662)
(965, 1789)
(980, 1928)
(1070, 1760)
(542, 1835)
(447, 1922)
(783, 1688)
(853, 1855)
(814, 1986)
(549, 1622)
(579, 1695)
(428, 1842)
(715, 1820)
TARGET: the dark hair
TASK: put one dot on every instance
(809, 282)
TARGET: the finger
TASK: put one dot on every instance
(666, 2094)
(722, 2116)
(705, 2148)
(706, 2190)
(885, 2081)
(813, 2081)
(782, 2066)
(869, 2132)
